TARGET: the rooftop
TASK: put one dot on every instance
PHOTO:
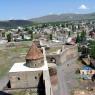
(20, 67)
(86, 68)
(34, 53)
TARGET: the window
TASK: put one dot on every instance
(53, 60)
(18, 78)
(35, 77)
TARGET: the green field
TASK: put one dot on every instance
(11, 55)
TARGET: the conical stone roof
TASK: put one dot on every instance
(34, 53)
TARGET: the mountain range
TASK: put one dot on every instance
(46, 19)
(14, 23)
(63, 17)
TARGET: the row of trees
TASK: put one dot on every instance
(88, 49)
(81, 37)
(92, 49)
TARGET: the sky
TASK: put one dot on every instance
(27, 9)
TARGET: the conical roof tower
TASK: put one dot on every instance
(34, 57)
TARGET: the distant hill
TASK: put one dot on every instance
(45, 19)
(14, 23)
(64, 17)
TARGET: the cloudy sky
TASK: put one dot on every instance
(26, 9)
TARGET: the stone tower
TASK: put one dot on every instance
(30, 73)
(34, 57)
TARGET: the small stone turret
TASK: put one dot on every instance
(34, 57)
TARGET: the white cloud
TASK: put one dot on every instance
(83, 7)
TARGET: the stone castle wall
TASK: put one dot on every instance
(69, 54)
(25, 79)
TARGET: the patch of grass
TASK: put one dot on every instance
(19, 93)
(4, 62)
(4, 68)
(24, 93)
(23, 50)
(25, 43)
(11, 55)
(19, 50)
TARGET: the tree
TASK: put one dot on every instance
(31, 33)
(73, 28)
(78, 26)
(69, 34)
(66, 24)
(93, 77)
(63, 25)
(92, 49)
(78, 38)
(50, 36)
(22, 35)
(84, 50)
(3, 34)
(9, 37)
(83, 36)
(26, 29)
